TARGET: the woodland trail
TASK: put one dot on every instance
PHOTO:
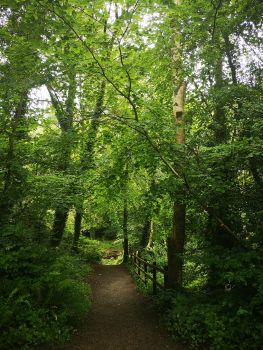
(121, 318)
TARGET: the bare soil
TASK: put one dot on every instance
(121, 318)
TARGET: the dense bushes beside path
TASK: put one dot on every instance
(42, 293)
(226, 318)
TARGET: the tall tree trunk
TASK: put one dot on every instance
(176, 240)
(65, 118)
(77, 229)
(10, 190)
(61, 213)
(59, 225)
(220, 132)
(125, 217)
(176, 247)
(151, 235)
(230, 57)
(216, 234)
(87, 158)
(125, 231)
(146, 232)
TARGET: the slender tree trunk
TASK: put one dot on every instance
(77, 229)
(125, 217)
(87, 158)
(59, 225)
(230, 58)
(125, 231)
(220, 132)
(151, 235)
(146, 231)
(176, 240)
(65, 119)
(10, 192)
(216, 235)
(219, 235)
(60, 216)
(176, 244)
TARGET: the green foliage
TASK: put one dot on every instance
(224, 321)
(42, 293)
(90, 250)
(108, 78)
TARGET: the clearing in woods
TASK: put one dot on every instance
(121, 318)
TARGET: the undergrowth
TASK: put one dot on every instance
(207, 323)
(228, 318)
(43, 296)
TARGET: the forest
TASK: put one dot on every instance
(135, 123)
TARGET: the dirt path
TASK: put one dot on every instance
(121, 318)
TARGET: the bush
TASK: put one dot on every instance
(42, 295)
(90, 250)
(206, 321)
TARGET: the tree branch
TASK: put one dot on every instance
(176, 173)
(90, 50)
(216, 7)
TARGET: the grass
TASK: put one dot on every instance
(111, 247)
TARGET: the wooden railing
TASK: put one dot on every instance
(148, 271)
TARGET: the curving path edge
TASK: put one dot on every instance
(120, 318)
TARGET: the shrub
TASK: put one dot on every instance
(90, 250)
(42, 295)
(206, 321)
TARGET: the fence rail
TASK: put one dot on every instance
(148, 271)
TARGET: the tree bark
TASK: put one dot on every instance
(151, 235)
(216, 234)
(10, 192)
(125, 217)
(125, 231)
(59, 225)
(176, 244)
(65, 116)
(146, 232)
(176, 239)
(87, 157)
(77, 230)
(230, 58)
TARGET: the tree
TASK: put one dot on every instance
(176, 240)
(65, 115)
(21, 71)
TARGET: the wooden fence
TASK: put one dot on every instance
(148, 271)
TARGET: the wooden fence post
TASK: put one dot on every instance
(143, 267)
(154, 278)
